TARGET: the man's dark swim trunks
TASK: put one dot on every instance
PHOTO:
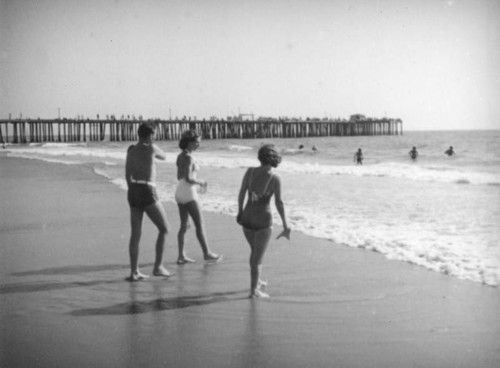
(141, 195)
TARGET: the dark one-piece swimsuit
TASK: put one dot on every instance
(257, 213)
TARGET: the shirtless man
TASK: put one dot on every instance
(140, 173)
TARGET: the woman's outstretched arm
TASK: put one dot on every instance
(241, 195)
(281, 208)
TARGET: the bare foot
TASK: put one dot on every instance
(212, 257)
(162, 271)
(258, 294)
(137, 276)
(184, 260)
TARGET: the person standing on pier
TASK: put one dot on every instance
(358, 157)
(140, 173)
(186, 197)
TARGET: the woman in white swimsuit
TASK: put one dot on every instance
(261, 184)
(187, 198)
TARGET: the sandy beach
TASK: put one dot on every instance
(65, 302)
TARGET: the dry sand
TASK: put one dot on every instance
(64, 301)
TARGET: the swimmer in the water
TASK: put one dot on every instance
(450, 151)
(358, 157)
(413, 153)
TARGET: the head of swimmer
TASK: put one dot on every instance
(269, 156)
(146, 131)
(190, 141)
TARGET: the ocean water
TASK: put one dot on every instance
(438, 212)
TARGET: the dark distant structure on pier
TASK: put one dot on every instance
(86, 130)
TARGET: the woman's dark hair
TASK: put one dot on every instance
(146, 129)
(269, 156)
(187, 137)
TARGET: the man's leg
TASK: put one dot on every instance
(158, 216)
(136, 216)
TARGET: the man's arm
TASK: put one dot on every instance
(128, 164)
(158, 153)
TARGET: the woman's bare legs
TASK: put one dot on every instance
(258, 240)
(193, 209)
(184, 226)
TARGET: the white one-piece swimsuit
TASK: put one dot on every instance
(186, 192)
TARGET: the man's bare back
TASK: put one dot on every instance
(140, 161)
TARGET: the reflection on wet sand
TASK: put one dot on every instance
(36, 286)
(161, 304)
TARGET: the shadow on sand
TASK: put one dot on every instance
(36, 286)
(161, 304)
(71, 270)
(30, 287)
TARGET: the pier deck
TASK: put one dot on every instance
(68, 130)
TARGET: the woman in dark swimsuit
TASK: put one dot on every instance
(261, 184)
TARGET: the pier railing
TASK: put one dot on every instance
(66, 130)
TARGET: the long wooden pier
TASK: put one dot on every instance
(66, 130)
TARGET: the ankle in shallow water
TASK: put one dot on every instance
(258, 294)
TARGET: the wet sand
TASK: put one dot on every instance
(65, 302)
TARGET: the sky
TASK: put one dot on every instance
(433, 64)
